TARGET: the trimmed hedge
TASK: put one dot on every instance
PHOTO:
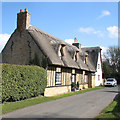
(21, 82)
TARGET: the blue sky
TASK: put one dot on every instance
(93, 23)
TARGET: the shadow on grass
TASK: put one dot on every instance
(114, 111)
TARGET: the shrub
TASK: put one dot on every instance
(21, 82)
(83, 87)
(73, 85)
(77, 84)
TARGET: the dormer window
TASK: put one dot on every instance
(85, 60)
(76, 56)
(61, 51)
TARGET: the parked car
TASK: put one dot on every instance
(111, 82)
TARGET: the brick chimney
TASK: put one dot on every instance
(78, 45)
(23, 19)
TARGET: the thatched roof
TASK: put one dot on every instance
(93, 55)
(49, 45)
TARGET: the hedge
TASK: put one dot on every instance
(22, 81)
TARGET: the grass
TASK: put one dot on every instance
(112, 111)
(11, 106)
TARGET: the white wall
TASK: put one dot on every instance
(99, 72)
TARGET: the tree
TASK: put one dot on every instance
(106, 69)
(111, 66)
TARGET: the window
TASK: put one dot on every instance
(98, 77)
(58, 78)
(76, 56)
(85, 60)
(73, 78)
(85, 78)
(61, 51)
(98, 66)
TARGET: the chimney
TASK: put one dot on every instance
(75, 40)
(78, 45)
(23, 19)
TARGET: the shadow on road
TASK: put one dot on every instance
(44, 118)
(114, 91)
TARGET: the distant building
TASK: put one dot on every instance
(63, 62)
(95, 59)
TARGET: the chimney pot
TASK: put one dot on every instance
(75, 40)
(23, 20)
(21, 10)
(78, 45)
(26, 10)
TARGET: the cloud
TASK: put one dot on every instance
(70, 41)
(104, 13)
(90, 30)
(104, 49)
(87, 30)
(3, 40)
(113, 31)
(103, 52)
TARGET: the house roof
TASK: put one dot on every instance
(93, 55)
(49, 45)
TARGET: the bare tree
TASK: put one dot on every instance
(112, 63)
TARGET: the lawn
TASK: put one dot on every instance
(11, 106)
(112, 111)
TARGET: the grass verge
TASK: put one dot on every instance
(112, 111)
(11, 106)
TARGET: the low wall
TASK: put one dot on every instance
(93, 81)
(52, 91)
(85, 86)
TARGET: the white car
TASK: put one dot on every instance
(111, 82)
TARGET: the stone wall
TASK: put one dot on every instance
(52, 91)
(51, 70)
(79, 76)
(93, 81)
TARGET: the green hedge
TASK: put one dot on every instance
(21, 82)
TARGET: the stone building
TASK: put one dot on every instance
(63, 62)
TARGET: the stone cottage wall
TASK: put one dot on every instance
(21, 49)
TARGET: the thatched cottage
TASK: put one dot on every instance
(63, 62)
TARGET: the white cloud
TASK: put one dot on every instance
(70, 41)
(104, 49)
(86, 30)
(104, 13)
(3, 40)
(113, 31)
(103, 52)
(90, 30)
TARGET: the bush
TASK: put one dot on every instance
(73, 85)
(21, 82)
(77, 84)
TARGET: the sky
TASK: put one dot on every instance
(92, 23)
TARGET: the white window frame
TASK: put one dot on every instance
(73, 78)
(98, 66)
(58, 78)
(98, 77)
(86, 79)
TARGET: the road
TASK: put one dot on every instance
(85, 105)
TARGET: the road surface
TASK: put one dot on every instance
(85, 105)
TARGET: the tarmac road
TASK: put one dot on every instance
(85, 105)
